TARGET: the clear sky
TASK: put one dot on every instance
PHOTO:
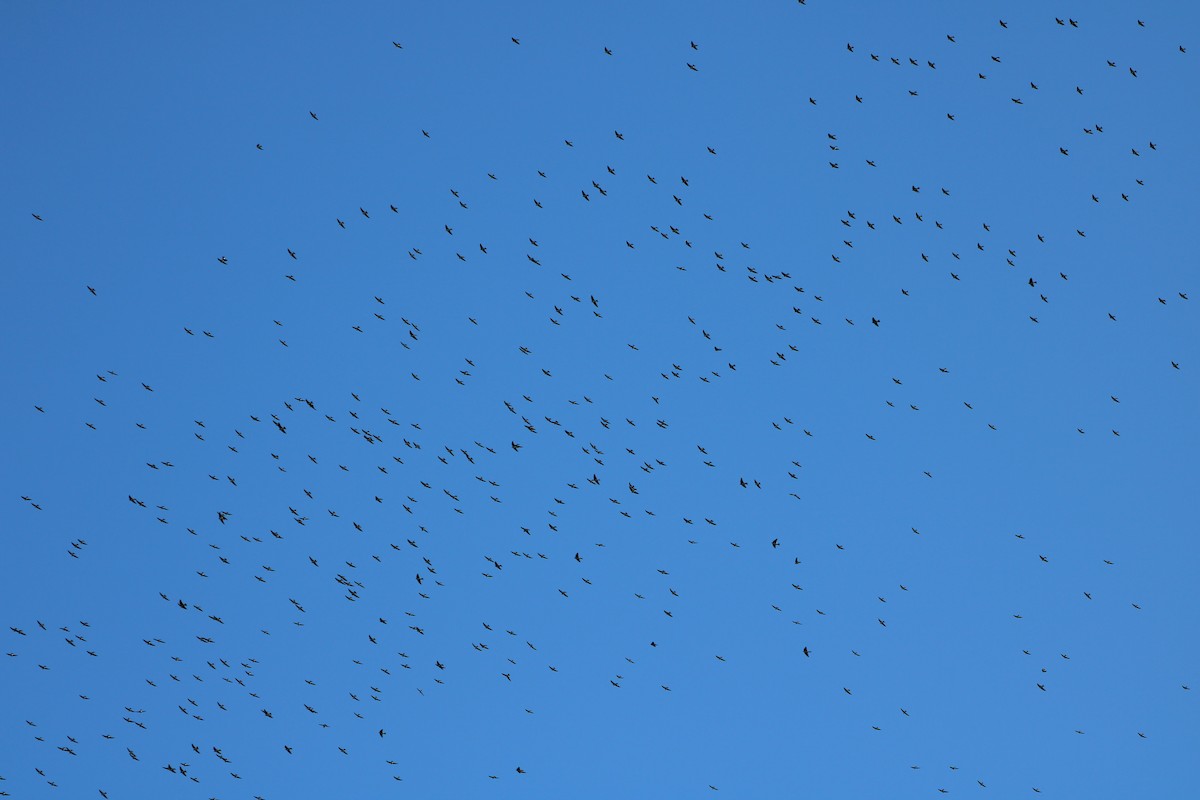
(668, 399)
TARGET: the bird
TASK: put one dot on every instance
(558, 349)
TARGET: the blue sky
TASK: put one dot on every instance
(960, 364)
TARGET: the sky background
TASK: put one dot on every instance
(943, 486)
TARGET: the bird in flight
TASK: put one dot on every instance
(278, 484)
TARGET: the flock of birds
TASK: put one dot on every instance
(342, 513)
